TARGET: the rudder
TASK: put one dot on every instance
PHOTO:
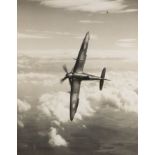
(102, 78)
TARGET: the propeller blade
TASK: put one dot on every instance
(65, 68)
(63, 79)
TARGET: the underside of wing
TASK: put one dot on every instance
(74, 97)
(80, 61)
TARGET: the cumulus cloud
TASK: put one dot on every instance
(119, 93)
(55, 139)
(53, 104)
(22, 107)
(56, 122)
(86, 5)
(57, 105)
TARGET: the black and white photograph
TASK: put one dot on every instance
(77, 77)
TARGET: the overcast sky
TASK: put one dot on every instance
(56, 27)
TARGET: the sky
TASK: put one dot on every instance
(50, 33)
(55, 28)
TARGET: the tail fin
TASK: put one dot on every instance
(102, 78)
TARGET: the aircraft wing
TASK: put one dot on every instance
(74, 97)
(80, 61)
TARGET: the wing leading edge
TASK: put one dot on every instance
(80, 61)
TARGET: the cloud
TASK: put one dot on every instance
(37, 78)
(128, 11)
(86, 5)
(56, 139)
(62, 33)
(122, 11)
(91, 22)
(50, 113)
(56, 122)
(119, 94)
(31, 70)
(31, 36)
(129, 42)
(22, 107)
(57, 105)
(51, 104)
(75, 35)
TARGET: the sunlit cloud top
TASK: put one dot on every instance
(86, 5)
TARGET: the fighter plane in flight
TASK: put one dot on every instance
(77, 75)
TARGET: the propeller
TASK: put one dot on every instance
(66, 71)
(64, 78)
(65, 68)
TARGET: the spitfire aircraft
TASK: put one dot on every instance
(76, 76)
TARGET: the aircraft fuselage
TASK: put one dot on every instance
(83, 76)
